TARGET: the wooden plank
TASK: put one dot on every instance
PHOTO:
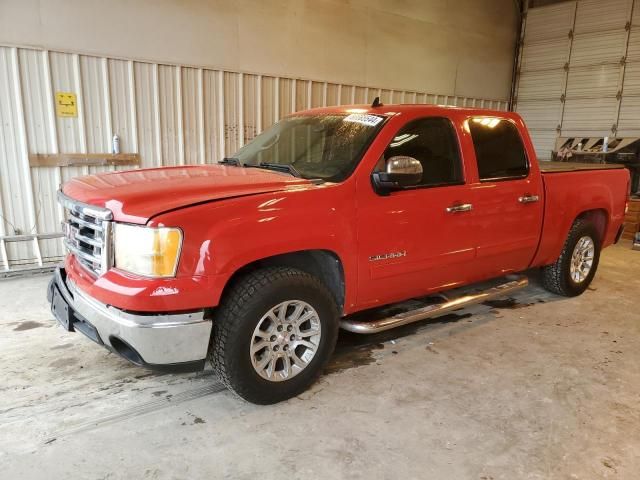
(634, 205)
(82, 159)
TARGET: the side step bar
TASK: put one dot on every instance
(431, 311)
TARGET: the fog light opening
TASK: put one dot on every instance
(126, 351)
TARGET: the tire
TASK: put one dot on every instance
(242, 323)
(558, 277)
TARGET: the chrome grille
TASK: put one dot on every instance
(87, 234)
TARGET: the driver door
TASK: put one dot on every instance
(417, 239)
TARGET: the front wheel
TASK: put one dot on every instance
(273, 334)
(574, 270)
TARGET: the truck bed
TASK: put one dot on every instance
(558, 167)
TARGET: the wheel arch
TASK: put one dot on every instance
(557, 226)
(326, 265)
(599, 217)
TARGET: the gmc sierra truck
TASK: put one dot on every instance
(255, 263)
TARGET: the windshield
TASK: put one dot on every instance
(317, 146)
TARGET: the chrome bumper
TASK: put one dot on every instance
(177, 342)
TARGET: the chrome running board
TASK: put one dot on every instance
(431, 311)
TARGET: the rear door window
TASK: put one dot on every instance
(499, 149)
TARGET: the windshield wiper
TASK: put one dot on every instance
(278, 167)
(230, 161)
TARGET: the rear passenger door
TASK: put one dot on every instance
(507, 197)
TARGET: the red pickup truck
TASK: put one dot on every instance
(256, 262)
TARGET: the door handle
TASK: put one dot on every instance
(528, 198)
(461, 207)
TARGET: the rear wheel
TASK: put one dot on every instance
(273, 334)
(574, 270)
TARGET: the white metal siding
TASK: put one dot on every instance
(122, 105)
(16, 196)
(39, 116)
(170, 121)
(169, 114)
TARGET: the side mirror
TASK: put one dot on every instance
(401, 172)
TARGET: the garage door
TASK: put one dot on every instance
(579, 71)
(542, 78)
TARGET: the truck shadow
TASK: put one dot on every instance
(355, 350)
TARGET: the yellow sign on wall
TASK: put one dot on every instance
(66, 105)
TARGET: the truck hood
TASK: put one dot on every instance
(137, 195)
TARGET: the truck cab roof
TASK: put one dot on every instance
(399, 108)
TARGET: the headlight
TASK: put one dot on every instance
(152, 252)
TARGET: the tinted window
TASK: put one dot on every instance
(499, 149)
(431, 141)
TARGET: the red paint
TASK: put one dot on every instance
(232, 216)
(130, 292)
(136, 195)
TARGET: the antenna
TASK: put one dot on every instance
(376, 103)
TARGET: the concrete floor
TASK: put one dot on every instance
(540, 387)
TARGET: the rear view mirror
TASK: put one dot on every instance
(400, 172)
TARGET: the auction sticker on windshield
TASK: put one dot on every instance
(371, 120)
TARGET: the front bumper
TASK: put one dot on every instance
(169, 342)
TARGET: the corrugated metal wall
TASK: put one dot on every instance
(170, 114)
(579, 71)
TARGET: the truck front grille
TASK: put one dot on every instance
(87, 234)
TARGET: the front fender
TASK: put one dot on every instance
(223, 236)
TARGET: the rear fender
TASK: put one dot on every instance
(600, 197)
